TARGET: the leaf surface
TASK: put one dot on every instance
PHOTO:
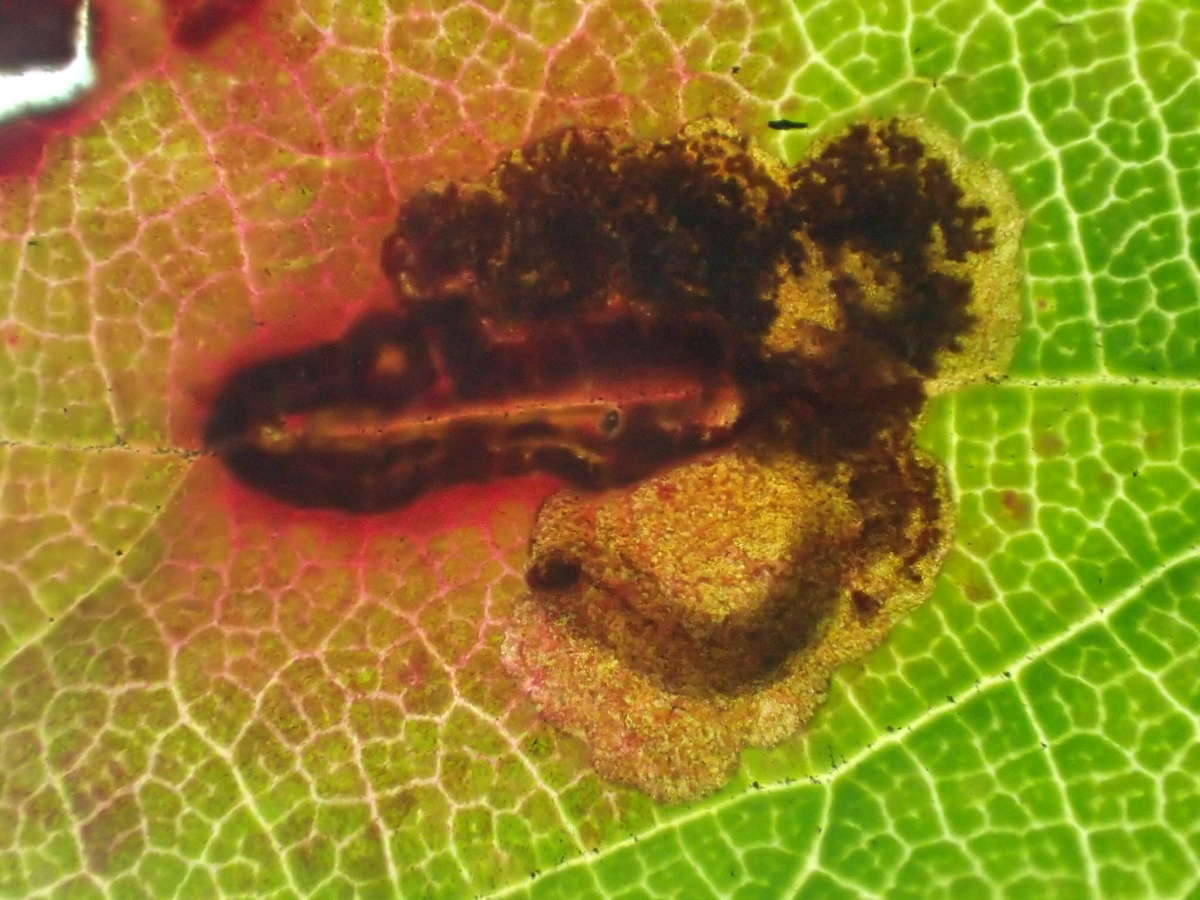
(195, 701)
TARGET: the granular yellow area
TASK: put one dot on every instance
(713, 603)
(703, 576)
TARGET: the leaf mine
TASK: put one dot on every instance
(746, 504)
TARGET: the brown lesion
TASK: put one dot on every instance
(582, 214)
(586, 262)
(410, 401)
(674, 592)
(709, 577)
(876, 202)
(196, 24)
(739, 354)
(674, 621)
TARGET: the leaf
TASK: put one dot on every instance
(201, 696)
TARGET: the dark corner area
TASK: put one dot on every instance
(37, 34)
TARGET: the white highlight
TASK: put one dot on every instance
(37, 89)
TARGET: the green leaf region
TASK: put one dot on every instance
(205, 695)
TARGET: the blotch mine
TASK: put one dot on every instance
(727, 360)
(707, 606)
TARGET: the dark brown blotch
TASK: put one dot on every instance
(553, 572)
(876, 190)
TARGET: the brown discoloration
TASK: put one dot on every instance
(737, 353)
(195, 24)
(591, 276)
(567, 221)
(714, 591)
(866, 606)
(677, 592)
(1018, 506)
(713, 601)
(553, 572)
(978, 592)
(409, 402)
(1047, 444)
(875, 192)
(713, 622)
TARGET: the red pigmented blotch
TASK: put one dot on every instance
(22, 146)
(195, 24)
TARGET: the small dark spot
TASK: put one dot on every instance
(195, 24)
(786, 124)
(1049, 444)
(735, 70)
(1018, 506)
(866, 606)
(610, 422)
(553, 572)
(756, 785)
